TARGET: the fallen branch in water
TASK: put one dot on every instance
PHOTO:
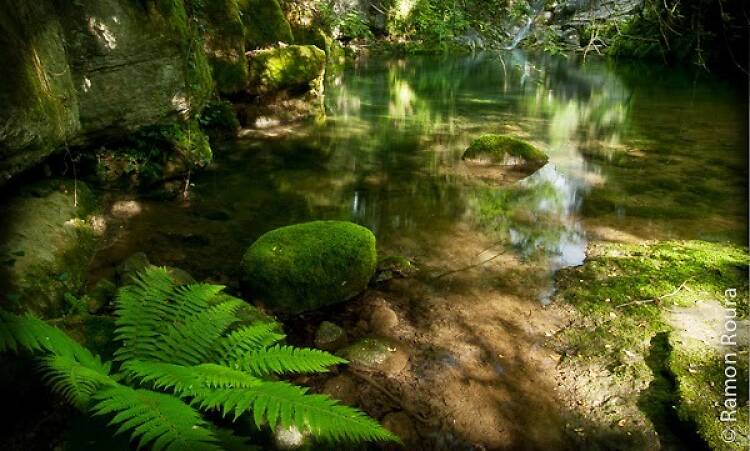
(465, 268)
(648, 301)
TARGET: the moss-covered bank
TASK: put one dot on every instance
(627, 296)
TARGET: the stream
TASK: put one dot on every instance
(637, 152)
(388, 157)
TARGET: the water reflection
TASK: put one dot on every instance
(389, 158)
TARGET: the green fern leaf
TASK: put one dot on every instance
(34, 335)
(247, 339)
(281, 403)
(143, 310)
(73, 380)
(155, 417)
(185, 380)
(287, 359)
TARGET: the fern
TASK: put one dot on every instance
(287, 359)
(181, 351)
(73, 380)
(168, 422)
(281, 403)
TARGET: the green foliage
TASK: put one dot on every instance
(433, 22)
(219, 115)
(354, 26)
(183, 351)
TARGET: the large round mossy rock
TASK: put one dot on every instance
(505, 150)
(311, 265)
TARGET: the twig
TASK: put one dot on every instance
(465, 268)
(648, 301)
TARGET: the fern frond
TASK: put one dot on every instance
(155, 417)
(247, 339)
(171, 324)
(281, 403)
(193, 341)
(31, 333)
(287, 359)
(73, 380)
(142, 313)
(184, 381)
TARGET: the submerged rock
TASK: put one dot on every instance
(505, 150)
(295, 68)
(329, 336)
(342, 388)
(50, 234)
(311, 265)
(376, 354)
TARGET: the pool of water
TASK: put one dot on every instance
(636, 152)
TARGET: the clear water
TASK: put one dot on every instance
(636, 152)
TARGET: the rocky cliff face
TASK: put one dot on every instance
(80, 70)
(92, 72)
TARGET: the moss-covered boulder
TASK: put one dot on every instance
(265, 23)
(295, 68)
(311, 265)
(77, 72)
(49, 235)
(224, 42)
(505, 150)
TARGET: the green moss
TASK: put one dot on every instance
(265, 23)
(699, 372)
(224, 41)
(49, 242)
(367, 352)
(294, 67)
(40, 111)
(199, 83)
(502, 148)
(621, 290)
(310, 265)
(219, 115)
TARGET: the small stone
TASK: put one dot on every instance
(383, 319)
(131, 266)
(329, 336)
(342, 388)
(180, 276)
(377, 354)
(289, 438)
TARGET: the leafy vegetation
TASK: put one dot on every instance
(184, 351)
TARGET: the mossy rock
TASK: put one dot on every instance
(505, 150)
(376, 354)
(329, 336)
(224, 43)
(311, 265)
(50, 233)
(297, 68)
(265, 23)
